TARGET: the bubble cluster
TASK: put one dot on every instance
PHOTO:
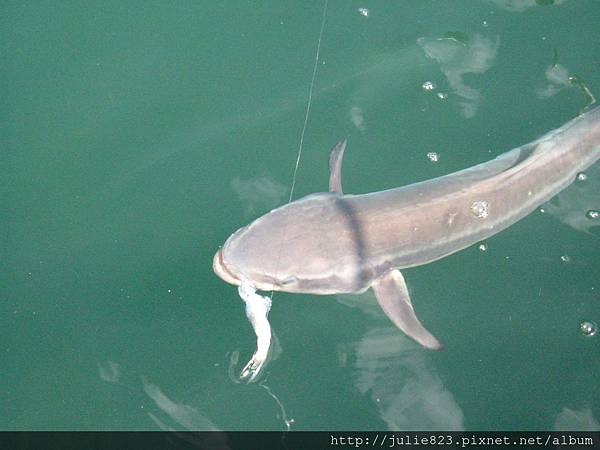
(433, 156)
(480, 209)
(592, 214)
(588, 328)
(428, 86)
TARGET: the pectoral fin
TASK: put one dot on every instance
(392, 295)
(335, 167)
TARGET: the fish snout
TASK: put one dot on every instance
(221, 270)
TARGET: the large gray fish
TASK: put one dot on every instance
(331, 243)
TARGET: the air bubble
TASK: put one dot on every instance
(592, 214)
(588, 328)
(480, 209)
(433, 156)
(428, 86)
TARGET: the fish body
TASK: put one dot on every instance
(331, 243)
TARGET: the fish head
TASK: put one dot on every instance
(280, 251)
(220, 268)
(245, 256)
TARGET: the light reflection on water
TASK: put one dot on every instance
(403, 383)
(134, 152)
(572, 205)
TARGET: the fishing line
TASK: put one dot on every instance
(246, 370)
(309, 102)
(251, 368)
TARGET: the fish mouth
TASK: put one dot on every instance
(221, 270)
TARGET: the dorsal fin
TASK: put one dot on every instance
(335, 167)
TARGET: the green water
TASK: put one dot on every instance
(136, 136)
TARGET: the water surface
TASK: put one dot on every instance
(137, 136)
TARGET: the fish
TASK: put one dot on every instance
(334, 243)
